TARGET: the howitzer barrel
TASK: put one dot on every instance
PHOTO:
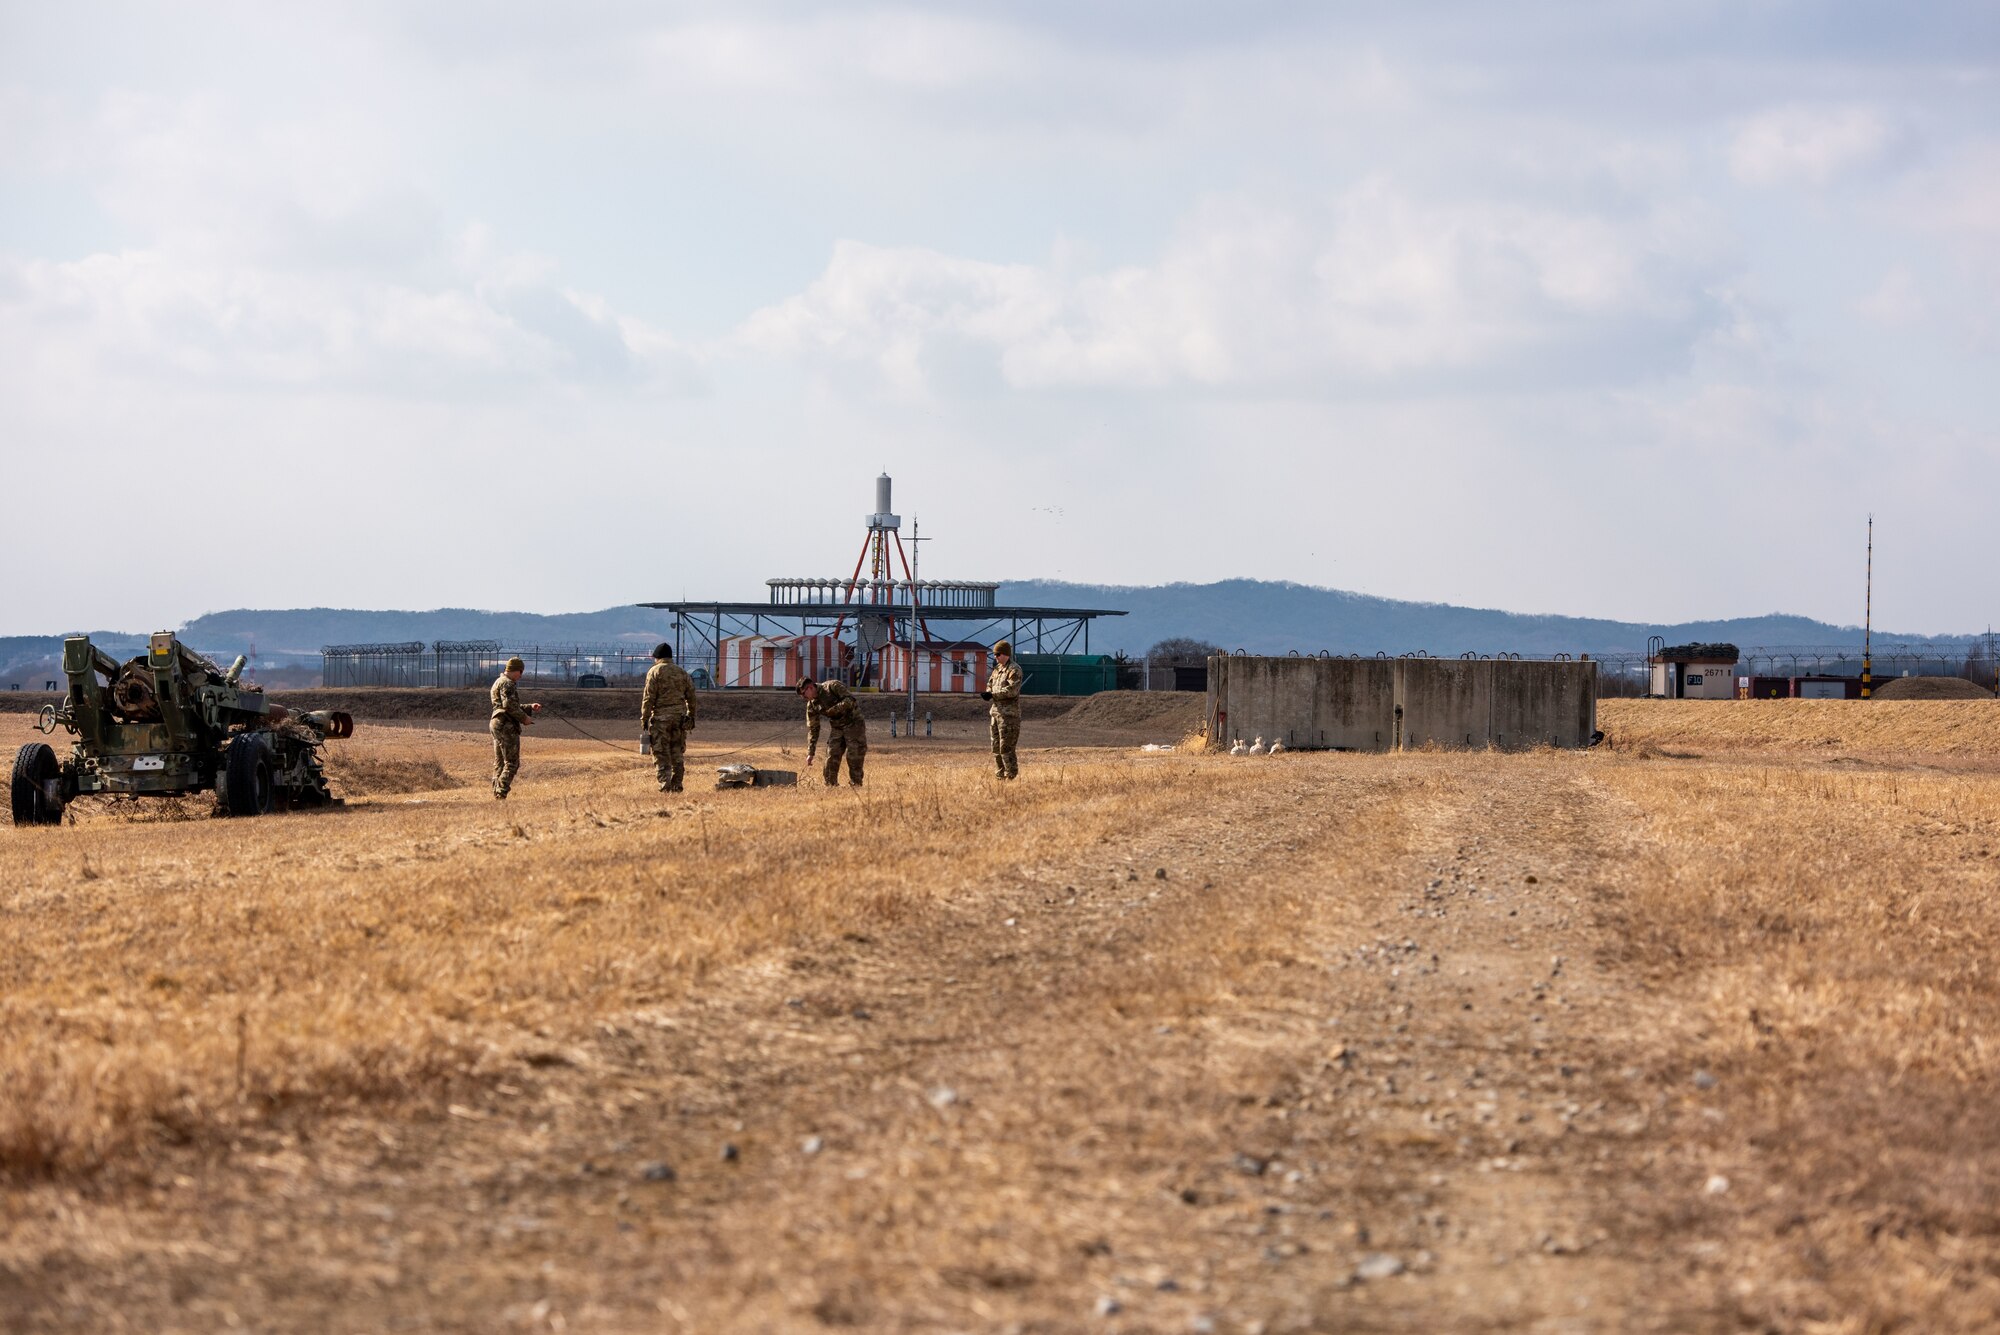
(332, 724)
(235, 673)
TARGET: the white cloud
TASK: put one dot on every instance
(1811, 146)
(1373, 288)
(1957, 196)
(1895, 302)
(150, 314)
(301, 255)
(909, 49)
(434, 245)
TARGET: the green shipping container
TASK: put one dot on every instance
(1067, 674)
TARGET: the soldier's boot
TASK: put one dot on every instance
(854, 771)
(831, 773)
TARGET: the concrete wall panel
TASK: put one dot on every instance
(1543, 704)
(1342, 704)
(1379, 704)
(1444, 702)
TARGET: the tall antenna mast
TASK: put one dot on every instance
(1868, 618)
(911, 573)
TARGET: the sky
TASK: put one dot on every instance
(1628, 310)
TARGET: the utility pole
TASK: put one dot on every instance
(1868, 619)
(916, 564)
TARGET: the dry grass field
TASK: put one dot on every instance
(1696, 1031)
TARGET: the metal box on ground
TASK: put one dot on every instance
(1067, 674)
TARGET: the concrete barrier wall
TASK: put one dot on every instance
(1344, 704)
(1538, 704)
(1385, 704)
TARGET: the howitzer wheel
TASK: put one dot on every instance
(247, 786)
(37, 799)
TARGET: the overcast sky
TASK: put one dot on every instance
(1626, 310)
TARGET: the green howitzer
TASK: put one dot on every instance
(170, 722)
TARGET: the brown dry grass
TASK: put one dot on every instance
(1830, 939)
(177, 979)
(1460, 999)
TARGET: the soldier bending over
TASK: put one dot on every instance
(832, 701)
(666, 714)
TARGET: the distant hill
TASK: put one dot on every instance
(30, 660)
(1256, 615)
(1274, 617)
(293, 637)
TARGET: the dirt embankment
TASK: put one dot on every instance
(1167, 712)
(1960, 728)
(1931, 688)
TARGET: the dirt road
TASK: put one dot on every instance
(1365, 1043)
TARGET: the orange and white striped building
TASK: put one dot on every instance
(781, 661)
(957, 667)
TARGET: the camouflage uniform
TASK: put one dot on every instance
(508, 716)
(666, 713)
(842, 712)
(1005, 687)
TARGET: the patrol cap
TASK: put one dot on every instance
(516, 665)
(803, 683)
(1003, 647)
(663, 650)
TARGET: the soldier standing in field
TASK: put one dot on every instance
(1003, 688)
(509, 717)
(834, 702)
(666, 713)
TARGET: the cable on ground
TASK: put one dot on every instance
(776, 738)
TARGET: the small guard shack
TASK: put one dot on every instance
(1693, 671)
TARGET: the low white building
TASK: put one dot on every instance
(1694, 672)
